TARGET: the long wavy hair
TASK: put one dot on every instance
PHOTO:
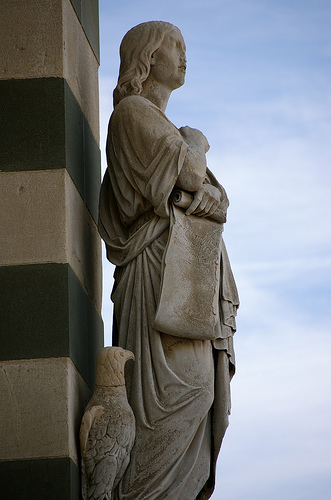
(135, 51)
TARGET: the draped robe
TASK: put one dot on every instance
(178, 388)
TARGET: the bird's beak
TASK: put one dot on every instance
(129, 355)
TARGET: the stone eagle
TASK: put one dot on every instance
(107, 430)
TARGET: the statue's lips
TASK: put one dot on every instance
(183, 68)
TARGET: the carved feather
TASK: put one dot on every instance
(108, 428)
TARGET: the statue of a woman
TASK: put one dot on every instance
(178, 387)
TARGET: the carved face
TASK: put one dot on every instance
(168, 63)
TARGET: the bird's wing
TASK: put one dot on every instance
(101, 481)
(91, 414)
(106, 443)
(124, 443)
(100, 458)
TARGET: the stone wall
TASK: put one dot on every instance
(50, 252)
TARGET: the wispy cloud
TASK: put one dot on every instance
(258, 85)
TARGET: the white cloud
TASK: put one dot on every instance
(258, 85)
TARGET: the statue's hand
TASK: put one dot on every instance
(205, 201)
(194, 138)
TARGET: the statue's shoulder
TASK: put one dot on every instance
(134, 106)
(133, 102)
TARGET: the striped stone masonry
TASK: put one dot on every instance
(50, 250)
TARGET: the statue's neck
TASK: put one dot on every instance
(105, 389)
(157, 93)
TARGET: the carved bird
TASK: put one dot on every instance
(107, 430)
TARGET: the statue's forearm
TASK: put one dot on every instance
(193, 171)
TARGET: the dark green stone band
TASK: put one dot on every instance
(45, 312)
(51, 479)
(88, 14)
(42, 127)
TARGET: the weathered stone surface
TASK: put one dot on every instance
(192, 258)
(80, 68)
(108, 427)
(176, 383)
(45, 312)
(51, 42)
(50, 478)
(44, 128)
(42, 401)
(50, 263)
(47, 221)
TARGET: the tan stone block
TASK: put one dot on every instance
(46, 39)
(83, 244)
(42, 402)
(33, 229)
(44, 219)
(80, 67)
(31, 39)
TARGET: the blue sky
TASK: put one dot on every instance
(258, 85)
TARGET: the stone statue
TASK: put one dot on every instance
(108, 428)
(174, 295)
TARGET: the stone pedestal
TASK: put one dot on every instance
(50, 251)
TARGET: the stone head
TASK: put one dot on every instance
(136, 51)
(110, 366)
